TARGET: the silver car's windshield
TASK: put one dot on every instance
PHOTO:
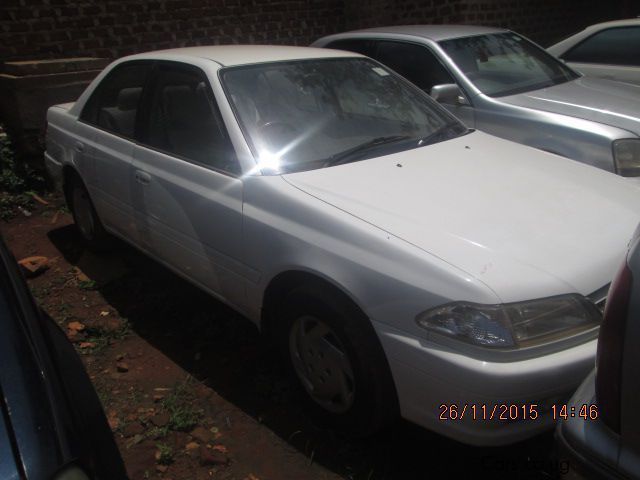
(308, 114)
(505, 63)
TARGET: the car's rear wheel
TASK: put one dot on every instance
(334, 353)
(85, 217)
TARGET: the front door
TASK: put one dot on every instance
(187, 194)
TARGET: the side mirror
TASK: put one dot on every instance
(448, 93)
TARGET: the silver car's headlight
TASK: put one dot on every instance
(626, 156)
(513, 325)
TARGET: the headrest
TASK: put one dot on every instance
(178, 98)
(128, 98)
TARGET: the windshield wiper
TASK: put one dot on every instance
(353, 152)
(440, 134)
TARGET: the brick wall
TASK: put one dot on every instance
(112, 28)
(32, 29)
(544, 21)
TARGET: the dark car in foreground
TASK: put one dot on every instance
(600, 433)
(52, 425)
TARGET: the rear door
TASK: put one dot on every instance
(110, 118)
(613, 53)
(187, 192)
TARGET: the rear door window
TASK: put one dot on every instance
(113, 106)
(614, 46)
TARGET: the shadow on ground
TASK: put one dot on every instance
(224, 350)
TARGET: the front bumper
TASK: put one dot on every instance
(429, 380)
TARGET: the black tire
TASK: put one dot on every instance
(374, 405)
(85, 216)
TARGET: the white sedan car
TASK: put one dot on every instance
(403, 263)
(607, 50)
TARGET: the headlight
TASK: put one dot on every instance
(513, 325)
(626, 156)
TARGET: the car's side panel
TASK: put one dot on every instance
(110, 188)
(620, 73)
(188, 209)
(68, 142)
(191, 217)
(287, 229)
(574, 138)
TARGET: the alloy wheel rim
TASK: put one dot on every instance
(322, 364)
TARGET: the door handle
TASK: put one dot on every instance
(142, 177)
(79, 147)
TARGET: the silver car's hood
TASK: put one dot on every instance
(604, 101)
(496, 209)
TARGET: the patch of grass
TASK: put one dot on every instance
(165, 454)
(182, 415)
(87, 284)
(104, 394)
(17, 180)
(64, 308)
(103, 338)
(41, 292)
(9, 203)
(157, 432)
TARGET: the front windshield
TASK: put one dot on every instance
(502, 64)
(308, 114)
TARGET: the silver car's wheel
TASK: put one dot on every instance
(322, 364)
(83, 213)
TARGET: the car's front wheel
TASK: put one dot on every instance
(335, 354)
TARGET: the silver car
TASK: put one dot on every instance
(599, 428)
(502, 83)
(606, 50)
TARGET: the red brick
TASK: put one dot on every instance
(32, 28)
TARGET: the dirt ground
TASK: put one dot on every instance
(191, 391)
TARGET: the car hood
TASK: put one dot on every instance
(604, 101)
(524, 222)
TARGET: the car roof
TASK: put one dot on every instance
(432, 32)
(615, 23)
(229, 55)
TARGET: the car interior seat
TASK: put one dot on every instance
(121, 118)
